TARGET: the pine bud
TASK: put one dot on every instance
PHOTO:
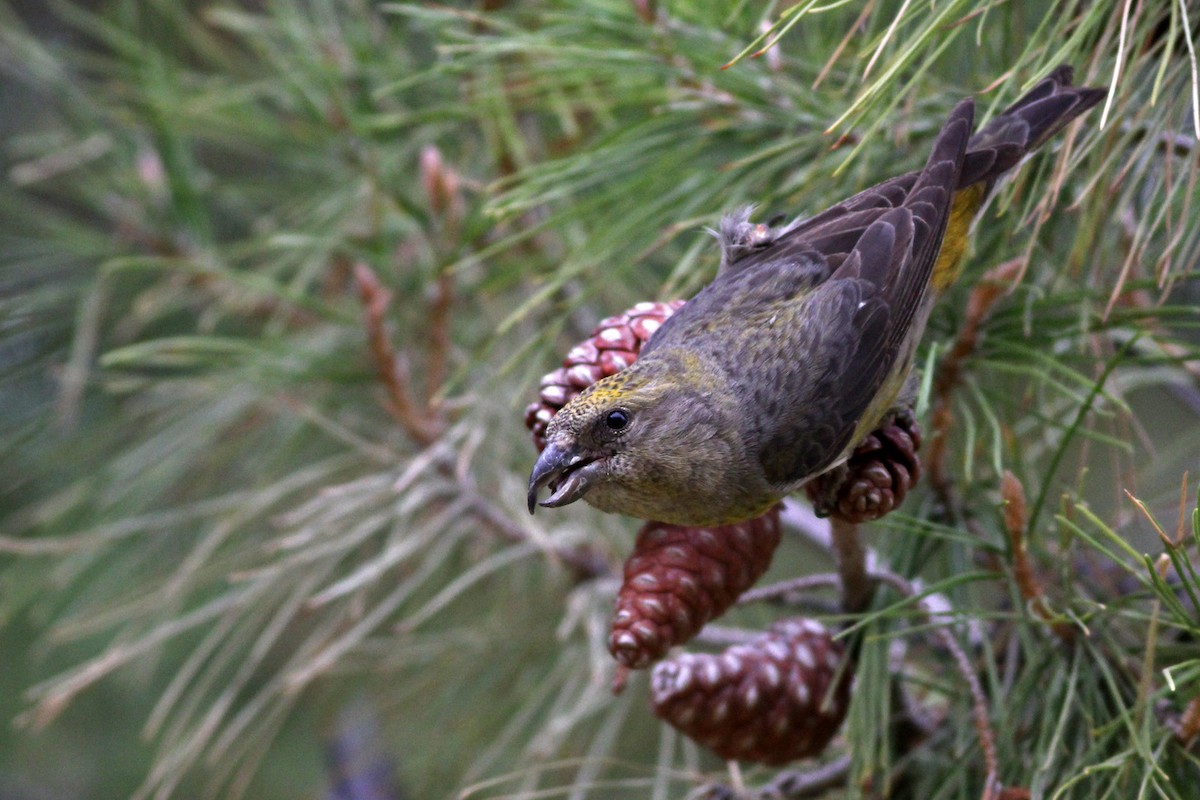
(442, 185)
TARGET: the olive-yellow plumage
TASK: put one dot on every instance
(801, 344)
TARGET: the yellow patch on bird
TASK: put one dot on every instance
(965, 205)
(614, 389)
(609, 390)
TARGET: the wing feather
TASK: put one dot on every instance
(821, 313)
(853, 326)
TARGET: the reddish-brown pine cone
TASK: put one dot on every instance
(769, 700)
(678, 579)
(611, 347)
(877, 476)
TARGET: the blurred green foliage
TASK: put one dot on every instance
(218, 525)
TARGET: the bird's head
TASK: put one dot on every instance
(593, 434)
(637, 442)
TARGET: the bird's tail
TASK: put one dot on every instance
(1025, 126)
(1001, 145)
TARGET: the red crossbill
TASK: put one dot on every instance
(799, 347)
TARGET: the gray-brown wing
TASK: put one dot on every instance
(875, 296)
(812, 321)
(809, 336)
(787, 337)
(739, 299)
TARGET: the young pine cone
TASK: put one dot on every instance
(769, 700)
(678, 579)
(877, 476)
(610, 348)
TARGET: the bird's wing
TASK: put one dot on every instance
(821, 317)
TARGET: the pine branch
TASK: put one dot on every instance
(213, 214)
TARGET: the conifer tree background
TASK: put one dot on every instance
(278, 277)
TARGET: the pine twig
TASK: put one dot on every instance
(979, 710)
(726, 635)
(443, 192)
(791, 784)
(421, 421)
(851, 557)
(797, 596)
(983, 298)
(1015, 523)
(1140, 299)
(785, 591)
(423, 427)
(439, 339)
(1189, 723)
(584, 562)
(796, 784)
(647, 10)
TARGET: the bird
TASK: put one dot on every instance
(800, 346)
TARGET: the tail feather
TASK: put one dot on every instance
(929, 198)
(1024, 126)
(968, 177)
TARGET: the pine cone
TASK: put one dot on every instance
(877, 476)
(611, 347)
(678, 579)
(768, 700)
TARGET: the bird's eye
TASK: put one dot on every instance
(617, 419)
